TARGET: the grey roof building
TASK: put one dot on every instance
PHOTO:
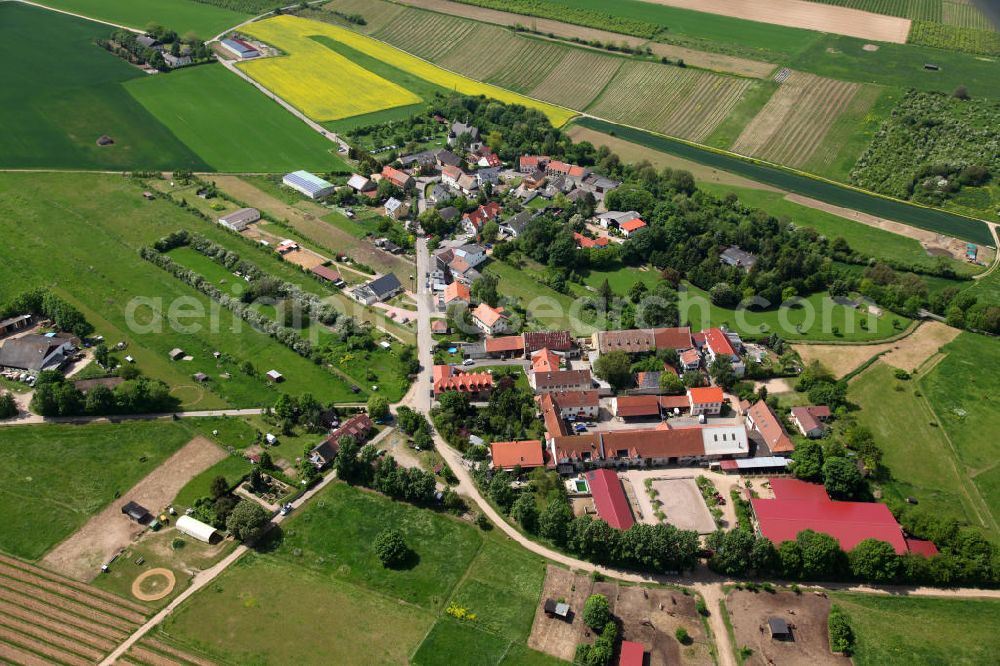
(240, 219)
(34, 352)
(734, 256)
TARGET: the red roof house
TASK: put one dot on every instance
(585, 242)
(449, 378)
(609, 498)
(763, 419)
(400, 179)
(478, 218)
(629, 227)
(632, 654)
(507, 455)
(544, 360)
(506, 345)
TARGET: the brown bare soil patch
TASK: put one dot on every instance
(633, 152)
(10, 598)
(907, 354)
(58, 601)
(935, 244)
(650, 616)
(38, 647)
(806, 615)
(808, 15)
(305, 258)
(152, 658)
(115, 607)
(10, 612)
(81, 555)
(160, 646)
(69, 582)
(160, 591)
(44, 634)
(17, 656)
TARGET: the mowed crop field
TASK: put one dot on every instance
(59, 93)
(56, 476)
(181, 16)
(303, 77)
(675, 101)
(326, 88)
(578, 79)
(95, 224)
(793, 123)
(231, 124)
(960, 13)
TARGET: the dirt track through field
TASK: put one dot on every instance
(808, 15)
(80, 556)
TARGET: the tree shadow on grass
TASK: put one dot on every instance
(407, 562)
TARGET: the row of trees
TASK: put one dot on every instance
(43, 303)
(56, 396)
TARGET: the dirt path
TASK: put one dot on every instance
(907, 353)
(808, 15)
(81, 555)
(933, 242)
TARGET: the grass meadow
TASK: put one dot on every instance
(232, 125)
(53, 114)
(95, 224)
(322, 580)
(900, 629)
(204, 19)
(916, 453)
(56, 476)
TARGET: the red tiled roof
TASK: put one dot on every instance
(637, 405)
(544, 360)
(563, 378)
(554, 424)
(526, 453)
(584, 241)
(672, 401)
(489, 316)
(506, 343)
(554, 340)
(439, 326)
(632, 225)
(631, 654)
(395, 176)
(690, 356)
(609, 498)
(326, 273)
(526, 162)
(718, 342)
(672, 338)
(629, 341)
(766, 422)
(575, 399)
(577, 448)
(655, 443)
(706, 395)
(797, 507)
(358, 426)
(457, 291)
(807, 418)
(483, 214)
(448, 378)
(921, 547)
(452, 172)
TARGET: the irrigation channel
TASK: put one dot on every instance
(931, 219)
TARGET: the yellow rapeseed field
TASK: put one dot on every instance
(322, 83)
(291, 34)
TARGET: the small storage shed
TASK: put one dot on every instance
(195, 528)
(275, 376)
(780, 630)
(136, 512)
(176, 353)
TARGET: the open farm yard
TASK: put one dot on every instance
(892, 629)
(806, 615)
(53, 114)
(793, 123)
(46, 618)
(801, 14)
(920, 456)
(87, 216)
(300, 77)
(679, 102)
(935, 220)
(230, 124)
(55, 477)
(205, 19)
(295, 33)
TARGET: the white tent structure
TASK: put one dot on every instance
(195, 528)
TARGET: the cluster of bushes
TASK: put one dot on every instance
(415, 424)
(125, 45)
(57, 396)
(509, 416)
(43, 303)
(931, 146)
(8, 408)
(573, 14)
(841, 634)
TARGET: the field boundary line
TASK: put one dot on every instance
(82, 16)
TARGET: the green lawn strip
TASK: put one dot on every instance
(619, 280)
(987, 289)
(916, 453)
(345, 125)
(898, 65)
(84, 218)
(205, 19)
(232, 468)
(56, 476)
(920, 630)
(454, 642)
(698, 310)
(519, 655)
(867, 240)
(233, 126)
(356, 227)
(544, 304)
(267, 611)
(443, 546)
(750, 104)
(924, 218)
(59, 112)
(963, 398)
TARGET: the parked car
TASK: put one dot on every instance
(468, 361)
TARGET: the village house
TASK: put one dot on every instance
(636, 407)
(526, 454)
(395, 209)
(400, 179)
(545, 360)
(811, 420)
(734, 256)
(613, 218)
(446, 158)
(706, 401)
(328, 274)
(358, 427)
(35, 353)
(469, 184)
(449, 378)
(559, 341)
(450, 176)
(561, 380)
(586, 243)
(378, 290)
(531, 163)
(575, 404)
(490, 320)
(487, 158)
(458, 129)
(629, 228)
(718, 343)
(477, 219)
(507, 346)
(456, 292)
(762, 419)
(515, 225)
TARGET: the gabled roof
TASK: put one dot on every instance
(483, 214)
(385, 284)
(554, 340)
(487, 315)
(506, 343)
(448, 378)
(456, 291)
(766, 422)
(577, 448)
(448, 158)
(563, 378)
(585, 242)
(632, 225)
(554, 424)
(395, 176)
(706, 395)
(629, 341)
(574, 399)
(545, 360)
(654, 443)
(326, 273)
(29, 352)
(637, 405)
(717, 341)
(452, 172)
(360, 183)
(439, 326)
(609, 498)
(672, 338)
(808, 417)
(526, 453)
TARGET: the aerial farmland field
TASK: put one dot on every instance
(202, 18)
(52, 114)
(280, 142)
(564, 84)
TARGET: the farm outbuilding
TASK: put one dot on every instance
(136, 512)
(779, 628)
(176, 353)
(195, 528)
(312, 186)
(275, 376)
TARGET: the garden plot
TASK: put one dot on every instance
(806, 616)
(672, 100)
(83, 553)
(793, 123)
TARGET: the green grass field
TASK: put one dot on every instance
(963, 399)
(96, 223)
(55, 477)
(230, 124)
(914, 630)
(916, 453)
(179, 15)
(870, 241)
(53, 114)
(233, 468)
